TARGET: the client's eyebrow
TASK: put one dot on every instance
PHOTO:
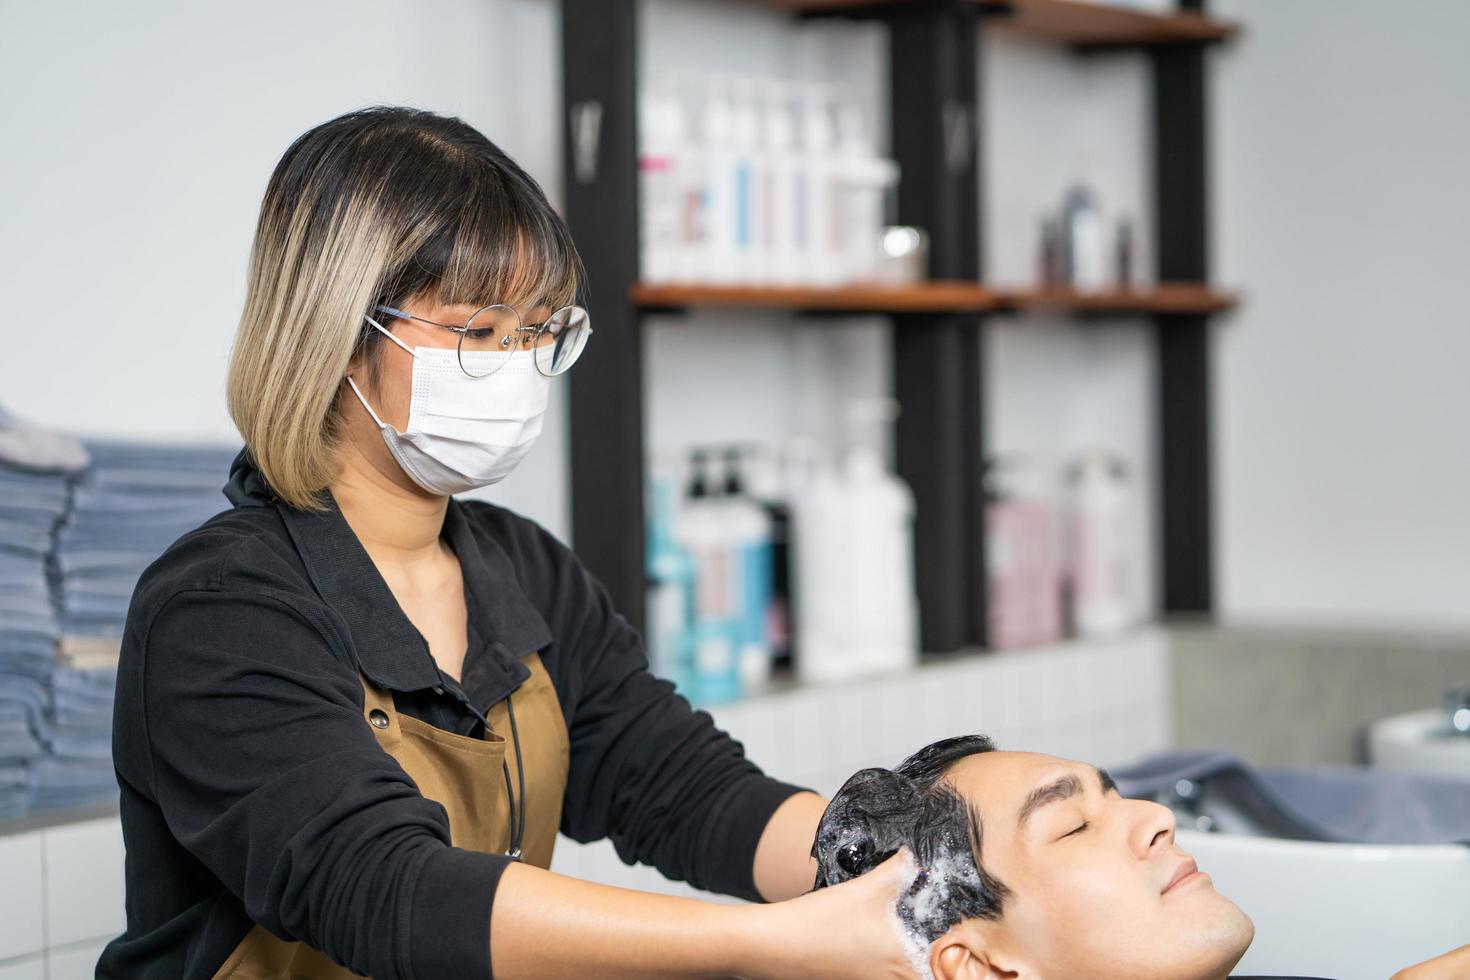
(1060, 789)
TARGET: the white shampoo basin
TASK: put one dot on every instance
(1346, 911)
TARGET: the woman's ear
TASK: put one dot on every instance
(966, 954)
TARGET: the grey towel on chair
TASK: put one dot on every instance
(1344, 804)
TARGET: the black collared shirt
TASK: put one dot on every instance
(253, 792)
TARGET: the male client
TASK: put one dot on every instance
(1031, 868)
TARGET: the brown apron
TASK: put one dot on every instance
(464, 776)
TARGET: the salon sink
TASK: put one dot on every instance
(1420, 742)
(1347, 872)
(1349, 911)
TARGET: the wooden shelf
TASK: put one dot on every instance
(831, 6)
(1097, 23)
(1084, 23)
(1170, 297)
(939, 297)
(929, 297)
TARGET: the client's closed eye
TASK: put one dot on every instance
(1085, 825)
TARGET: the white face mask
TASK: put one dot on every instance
(465, 432)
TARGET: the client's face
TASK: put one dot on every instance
(1098, 888)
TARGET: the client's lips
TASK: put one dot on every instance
(1185, 869)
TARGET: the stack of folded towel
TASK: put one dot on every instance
(78, 525)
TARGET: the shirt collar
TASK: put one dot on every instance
(504, 625)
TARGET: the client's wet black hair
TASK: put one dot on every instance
(878, 811)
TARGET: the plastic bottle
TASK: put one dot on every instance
(781, 216)
(722, 183)
(770, 485)
(748, 527)
(671, 588)
(1123, 252)
(1083, 230)
(750, 164)
(661, 139)
(817, 253)
(715, 628)
(862, 183)
(691, 179)
(1024, 555)
(820, 582)
(1103, 571)
(883, 619)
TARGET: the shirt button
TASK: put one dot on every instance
(378, 718)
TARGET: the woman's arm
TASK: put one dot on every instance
(647, 771)
(784, 867)
(546, 925)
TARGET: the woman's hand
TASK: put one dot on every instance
(1454, 965)
(847, 932)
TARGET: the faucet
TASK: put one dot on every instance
(1185, 798)
(1457, 711)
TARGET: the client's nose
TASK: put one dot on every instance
(1152, 826)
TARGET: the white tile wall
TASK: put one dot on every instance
(77, 962)
(61, 900)
(29, 968)
(22, 925)
(84, 882)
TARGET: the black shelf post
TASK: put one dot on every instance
(939, 442)
(1183, 341)
(599, 97)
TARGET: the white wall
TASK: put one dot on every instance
(141, 137)
(1339, 205)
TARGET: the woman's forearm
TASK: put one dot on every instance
(544, 925)
(549, 925)
(784, 867)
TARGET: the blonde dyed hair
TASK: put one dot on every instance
(380, 206)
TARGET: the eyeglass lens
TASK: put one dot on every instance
(482, 347)
(561, 340)
(495, 332)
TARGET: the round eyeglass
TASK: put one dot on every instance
(494, 333)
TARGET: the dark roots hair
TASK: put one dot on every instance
(878, 811)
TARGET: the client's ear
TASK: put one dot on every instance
(967, 953)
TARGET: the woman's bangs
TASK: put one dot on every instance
(521, 260)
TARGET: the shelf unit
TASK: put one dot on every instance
(937, 369)
(937, 297)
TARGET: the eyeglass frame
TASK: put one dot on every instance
(535, 330)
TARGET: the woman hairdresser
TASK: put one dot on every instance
(353, 712)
